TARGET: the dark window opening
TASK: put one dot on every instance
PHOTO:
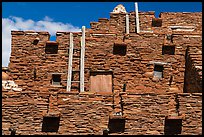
(119, 50)
(156, 22)
(170, 50)
(116, 125)
(158, 71)
(50, 124)
(173, 126)
(51, 48)
(56, 79)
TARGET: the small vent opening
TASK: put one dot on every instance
(51, 48)
(50, 124)
(116, 125)
(173, 126)
(158, 71)
(56, 79)
(119, 50)
(169, 50)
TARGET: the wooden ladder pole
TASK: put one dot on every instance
(82, 60)
(69, 77)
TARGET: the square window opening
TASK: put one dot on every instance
(158, 71)
(50, 124)
(51, 48)
(169, 50)
(116, 125)
(156, 22)
(173, 126)
(56, 79)
(119, 50)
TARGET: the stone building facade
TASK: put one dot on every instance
(147, 82)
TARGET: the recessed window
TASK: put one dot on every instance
(156, 22)
(173, 126)
(169, 50)
(51, 48)
(56, 79)
(119, 49)
(50, 124)
(158, 71)
(116, 125)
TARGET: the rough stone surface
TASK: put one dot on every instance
(142, 107)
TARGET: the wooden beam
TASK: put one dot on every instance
(127, 23)
(82, 60)
(137, 18)
(69, 77)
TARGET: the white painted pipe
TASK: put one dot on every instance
(137, 18)
(127, 23)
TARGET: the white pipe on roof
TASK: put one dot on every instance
(137, 18)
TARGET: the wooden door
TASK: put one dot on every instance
(101, 81)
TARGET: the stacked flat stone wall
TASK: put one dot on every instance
(190, 105)
(27, 57)
(84, 114)
(89, 113)
(136, 66)
(193, 74)
(146, 113)
(147, 100)
(79, 113)
(23, 111)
